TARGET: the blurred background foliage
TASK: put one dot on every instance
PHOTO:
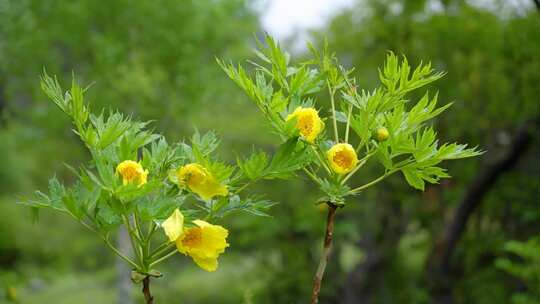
(155, 60)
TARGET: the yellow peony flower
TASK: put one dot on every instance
(132, 171)
(200, 181)
(342, 158)
(174, 225)
(203, 244)
(308, 122)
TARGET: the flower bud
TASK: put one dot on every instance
(382, 134)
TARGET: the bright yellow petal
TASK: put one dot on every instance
(200, 181)
(213, 243)
(174, 225)
(132, 171)
(209, 189)
(143, 178)
(342, 158)
(208, 264)
(308, 123)
(203, 243)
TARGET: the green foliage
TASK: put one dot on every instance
(412, 147)
(490, 80)
(101, 201)
(527, 268)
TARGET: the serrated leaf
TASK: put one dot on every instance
(254, 167)
(291, 156)
(413, 178)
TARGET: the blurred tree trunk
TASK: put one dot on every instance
(380, 247)
(439, 268)
(537, 3)
(124, 284)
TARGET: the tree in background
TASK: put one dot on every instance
(150, 59)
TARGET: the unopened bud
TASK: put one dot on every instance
(382, 134)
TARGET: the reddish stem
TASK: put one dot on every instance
(146, 291)
(317, 281)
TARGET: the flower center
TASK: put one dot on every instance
(343, 159)
(130, 173)
(193, 237)
(305, 125)
(193, 176)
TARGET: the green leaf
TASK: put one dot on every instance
(254, 167)
(418, 173)
(253, 205)
(159, 206)
(335, 192)
(206, 143)
(111, 129)
(132, 191)
(291, 156)
(341, 117)
(413, 178)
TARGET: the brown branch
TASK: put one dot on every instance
(439, 261)
(146, 291)
(317, 281)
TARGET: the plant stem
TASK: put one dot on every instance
(120, 254)
(244, 186)
(163, 258)
(325, 254)
(111, 246)
(332, 102)
(317, 151)
(361, 163)
(312, 176)
(348, 124)
(132, 237)
(146, 291)
(162, 248)
(373, 182)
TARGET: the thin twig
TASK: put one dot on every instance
(312, 176)
(348, 124)
(111, 246)
(132, 236)
(331, 91)
(146, 291)
(321, 159)
(317, 281)
(163, 258)
(373, 182)
(161, 249)
(120, 254)
(361, 163)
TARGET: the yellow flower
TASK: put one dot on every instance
(132, 171)
(200, 181)
(203, 244)
(308, 122)
(342, 158)
(174, 225)
(382, 134)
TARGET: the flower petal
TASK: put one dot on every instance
(174, 225)
(208, 264)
